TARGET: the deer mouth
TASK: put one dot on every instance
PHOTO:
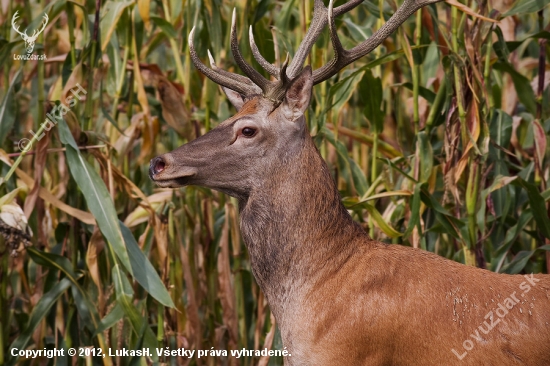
(170, 177)
(173, 182)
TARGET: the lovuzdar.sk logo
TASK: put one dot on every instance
(29, 40)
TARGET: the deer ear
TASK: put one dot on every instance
(298, 95)
(235, 98)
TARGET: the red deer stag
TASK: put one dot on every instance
(339, 297)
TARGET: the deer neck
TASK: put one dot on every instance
(295, 226)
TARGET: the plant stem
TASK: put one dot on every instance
(439, 97)
(7, 65)
(487, 72)
(70, 17)
(457, 79)
(373, 171)
(57, 149)
(187, 69)
(542, 63)
(416, 73)
(472, 189)
(173, 44)
(40, 71)
(88, 112)
(23, 153)
(120, 81)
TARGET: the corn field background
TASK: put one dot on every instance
(438, 140)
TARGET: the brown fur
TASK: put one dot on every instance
(342, 299)
(339, 297)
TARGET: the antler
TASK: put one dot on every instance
(318, 23)
(229, 80)
(343, 57)
(15, 26)
(44, 24)
(255, 83)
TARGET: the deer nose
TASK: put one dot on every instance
(157, 165)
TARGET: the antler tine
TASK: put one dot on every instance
(270, 68)
(277, 93)
(254, 75)
(223, 80)
(336, 44)
(344, 57)
(317, 25)
(240, 78)
(282, 73)
(14, 25)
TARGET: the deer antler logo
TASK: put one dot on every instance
(29, 40)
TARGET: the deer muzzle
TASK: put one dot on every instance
(166, 174)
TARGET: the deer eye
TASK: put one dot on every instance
(248, 131)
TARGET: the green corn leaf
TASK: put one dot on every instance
(96, 195)
(40, 310)
(124, 294)
(112, 10)
(143, 270)
(526, 6)
(425, 155)
(379, 220)
(518, 263)
(415, 210)
(538, 207)
(8, 108)
(111, 319)
(523, 86)
(370, 89)
(54, 261)
(166, 27)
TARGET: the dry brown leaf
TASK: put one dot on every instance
(138, 81)
(509, 95)
(264, 360)
(514, 141)
(5, 6)
(422, 109)
(477, 68)
(502, 5)
(469, 11)
(535, 82)
(540, 144)
(173, 109)
(39, 166)
(83, 216)
(144, 7)
(195, 331)
(235, 230)
(452, 137)
(75, 80)
(260, 316)
(226, 292)
(131, 133)
(149, 131)
(160, 229)
(95, 246)
(474, 127)
(169, 94)
(142, 214)
(63, 43)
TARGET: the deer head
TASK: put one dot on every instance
(29, 40)
(269, 129)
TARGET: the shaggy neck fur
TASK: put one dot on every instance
(297, 235)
